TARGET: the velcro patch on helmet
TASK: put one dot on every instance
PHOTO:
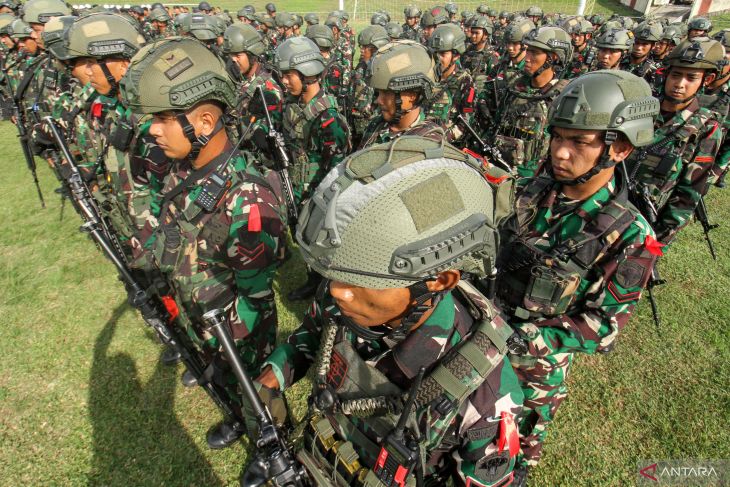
(399, 62)
(433, 201)
(97, 28)
(179, 68)
(173, 63)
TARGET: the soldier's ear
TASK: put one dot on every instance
(445, 281)
(710, 78)
(620, 149)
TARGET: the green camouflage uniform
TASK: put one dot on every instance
(319, 138)
(453, 97)
(479, 62)
(583, 61)
(336, 79)
(378, 131)
(344, 48)
(608, 251)
(718, 101)
(462, 441)
(364, 107)
(412, 33)
(646, 69)
(249, 96)
(675, 171)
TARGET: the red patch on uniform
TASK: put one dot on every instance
(653, 246)
(336, 73)
(269, 85)
(470, 98)
(271, 108)
(171, 306)
(704, 159)
(508, 436)
(337, 371)
(622, 298)
(254, 219)
(326, 123)
(251, 254)
(714, 127)
(96, 109)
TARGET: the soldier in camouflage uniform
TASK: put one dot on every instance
(430, 20)
(343, 46)
(316, 132)
(640, 61)
(335, 78)
(518, 124)
(613, 47)
(672, 36)
(454, 94)
(479, 57)
(8, 58)
(536, 15)
(716, 98)
(411, 26)
(512, 63)
(698, 27)
(403, 90)
(576, 254)
(364, 108)
(500, 27)
(160, 25)
(220, 226)
(379, 319)
(674, 172)
(584, 54)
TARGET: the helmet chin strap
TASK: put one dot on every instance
(109, 78)
(604, 162)
(196, 141)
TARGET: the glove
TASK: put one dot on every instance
(274, 401)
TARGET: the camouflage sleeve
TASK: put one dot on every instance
(722, 161)
(608, 302)
(691, 186)
(332, 136)
(291, 359)
(464, 103)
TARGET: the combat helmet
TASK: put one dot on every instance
(451, 8)
(482, 22)
(402, 66)
(200, 26)
(613, 101)
(673, 34)
(5, 20)
(723, 37)
(700, 53)
(311, 19)
(373, 35)
(243, 38)
(618, 39)
(518, 29)
(577, 25)
(700, 23)
(534, 11)
(41, 11)
(19, 29)
(394, 30)
(649, 31)
(300, 54)
(284, 19)
(103, 35)
(53, 36)
(322, 36)
(411, 11)
(435, 16)
(447, 37)
(270, 7)
(551, 39)
(159, 14)
(378, 19)
(482, 9)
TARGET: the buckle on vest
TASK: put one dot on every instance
(444, 405)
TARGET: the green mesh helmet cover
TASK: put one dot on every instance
(723, 37)
(674, 34)
(534, 11)
(401, 212)
(378, 19)
(700, 23)
(597, 19)
(311, 19)
(518, 29)
(483, 22)
(620, 39)
(243, 38)
(284, 19)
(607, 100)
(159, 14)
(551, 39)
(104, 35)
(300, 54)
(41, 11)
(19, 29)
(402, 65)
(700, 53)
(411, 11)
(321, 35)
(650, 31)
(5, 21)
(447, 37)
(54, 36)
(577, 25)
(175, 74)
(373, 35)
(394, 30)
(466, 15)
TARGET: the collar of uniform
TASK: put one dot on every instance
(679, 116)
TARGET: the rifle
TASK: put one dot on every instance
(154, 312)
(492, 153)
(282, 158)
(25, 145)
(654, 281)
(274, 462)
(701, 215)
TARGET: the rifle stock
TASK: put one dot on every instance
(25, 146)
(701, 215)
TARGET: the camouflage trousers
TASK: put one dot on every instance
(544, 388)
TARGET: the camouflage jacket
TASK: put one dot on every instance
(364, 107)
(336, 79)
(378, 131)
(453, 97)
(479, 62)
(646, 69)
(411, 33)
(225, 257)
(344, 47)
(249, 101)
(318, 137)
(13, 71)
(582, 62)
(507, 70)
(571, 272)
(718, 101)
(462, 439)
(673, 173)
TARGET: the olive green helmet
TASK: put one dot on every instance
(311, 19)
(597, 19)
(518, 29)
(674, 34)
(551, 39)
(300, 54)
(484, 23)
(700, 23)
(435, 16)
(5, 21)
(103, 35)
(398, 213)
(723, 37)
(373, 35)
(54, 36)
(19, 29)
(492, 12)
(200, 26)
(175, 74)
(322, 36)
(612, 100)
(402, 66)
(41, 11)
(159, 14)
(610, 25)
(265, 19)
(577, 25)
(697, 53)
(243, 38)
(448, 37)
(482, 9)
(394, 30)
(411, 11)
(649, 31)
(466, 15)
(534, 11)
(619, 39)
(378, 19)
(334, 21)
(451, 8)
(284, 19)
(503, 15)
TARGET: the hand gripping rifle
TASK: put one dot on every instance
(274, 463)
(282, 158)
(24, 137)
(701, 215)
(492, 153)
(156, 314)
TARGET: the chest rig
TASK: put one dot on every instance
(354, 406)
(538, 283)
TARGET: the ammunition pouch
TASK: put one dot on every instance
(512, 149)
(122, 136)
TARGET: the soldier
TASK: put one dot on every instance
(343, 46)
(454, 94)
(220, 225)
(432, 19)
(576, 254)
(160, 24)
(584, 55)
(394, 30)
(335, 78)
(452, 10)
(698, 27)
(370, 40)
(403, 90)
(411, 26)
(311, 19)
(717, 98)
(285, 26)
(479, 57)
(379, 18)
(673, 173)
(597, 20)
(640, 62)
(377, 323)
(672, 36)
(613, 46)
(271, 10)
(8, 58)
(512, 62)
(520, 120)
(536, 15)
(500, 27)
(205, 8)
(315, 130)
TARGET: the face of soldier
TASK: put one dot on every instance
(366, 52)
(117, 68)
(412, 21)
(608, 58)
(160, 26)
(28, 45)
(36, 33)
(427, 31)
(578, 40)
(682, 83)
(386, 102)
(478, 36)
(660, 48)
(169, 135)
(292, 82)
(7, 41)
(241, 59)
(534, 59)
(446, 61)
(78, 71)
(641, 49)
(5, 10)
(695, 33)
(502, 22)
(514, 49)
(535, 19)
(574, 152)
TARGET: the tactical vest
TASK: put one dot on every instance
(341, 443)
(536, 283)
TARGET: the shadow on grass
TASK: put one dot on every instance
(137, 439)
